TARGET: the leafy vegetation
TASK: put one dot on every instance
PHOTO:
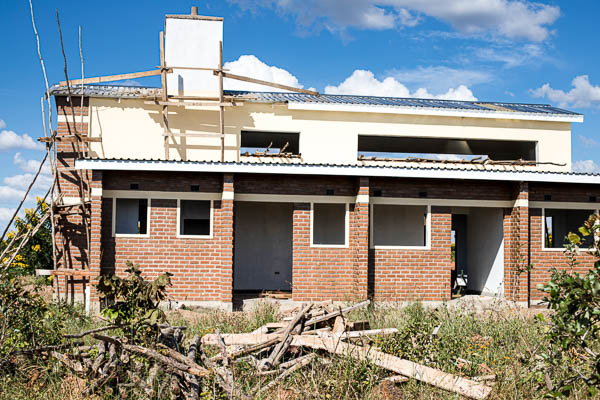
(574, 336)
(37, 254)
(133, 303)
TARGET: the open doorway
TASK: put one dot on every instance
(478, 250)
(262, 248)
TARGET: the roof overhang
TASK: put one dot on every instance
(434, 112)
(335, 170)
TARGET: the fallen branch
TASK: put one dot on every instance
(435, 377)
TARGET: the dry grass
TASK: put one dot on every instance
(503, 341)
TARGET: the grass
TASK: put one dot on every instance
(506, 343)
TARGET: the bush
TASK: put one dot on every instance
(574, 333)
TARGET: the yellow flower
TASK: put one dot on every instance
(37, 248)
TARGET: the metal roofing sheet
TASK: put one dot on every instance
(116, 91)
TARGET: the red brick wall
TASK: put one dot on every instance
(399, 274)
(202, 267)
(544, 260)
(443, 189)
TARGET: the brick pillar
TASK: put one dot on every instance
(359, 240)
(224, 230)
(517, 260)
(95, 220)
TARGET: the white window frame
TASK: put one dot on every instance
(135, 196)
(562, 206)
(383, 247)
(211, 222)
(346, 226)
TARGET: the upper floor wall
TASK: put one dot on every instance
(129, 128)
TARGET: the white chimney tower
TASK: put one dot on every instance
(192, 41)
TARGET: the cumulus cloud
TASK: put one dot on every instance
(250, 65)
(363, 82)
(9, 193)
(12, 140)
(2, 124)
(582, 94)
(586, 166)
(5, 214)
(513, 19)
(22, 181)
(30, 166)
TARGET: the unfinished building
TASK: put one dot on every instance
(314, 195)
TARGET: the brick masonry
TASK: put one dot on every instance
(203, 268)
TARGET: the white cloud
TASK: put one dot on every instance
(586, 166)
(9, 193)
(440, 78)
(12, 140)
(514, 56)
(582, 95)
(6, 214)
(363, 82)
(30, 166)
(22, 181)
(513, 19)
(2, 124)
(588, 142)
(250, 65)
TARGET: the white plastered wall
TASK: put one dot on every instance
(485, 250)
(192, 42)
(131, 129)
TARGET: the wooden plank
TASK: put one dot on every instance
(265, 83)
(193, 103)
(432, 376)
(175, 134)
(111, 78)
(69, 139)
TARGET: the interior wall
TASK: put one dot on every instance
(485, 251)
(263, 246)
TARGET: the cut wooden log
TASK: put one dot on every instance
(359, 334)
(334, 314)
(397, 379)
(432, 376)
(280, 349)
(250, 349)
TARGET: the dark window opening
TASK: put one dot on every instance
(399, 225)
(444, 149)
(131, 216)
(269, 143)
(329, 224)
(558, 224)
(194, 217)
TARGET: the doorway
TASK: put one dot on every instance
(262, 258)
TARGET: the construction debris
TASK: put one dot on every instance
(318, 328)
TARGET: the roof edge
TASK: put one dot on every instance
(337, 170)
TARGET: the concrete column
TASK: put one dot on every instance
(359, 240)
(517, 245)
(95, 250)
(225, 232)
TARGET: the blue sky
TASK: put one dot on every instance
(490, 50)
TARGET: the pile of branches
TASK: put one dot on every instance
(139, 355)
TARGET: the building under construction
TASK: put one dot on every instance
(306, 195)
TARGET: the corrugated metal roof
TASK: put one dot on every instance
(382, 165)
(438, 172)
(116, 91)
